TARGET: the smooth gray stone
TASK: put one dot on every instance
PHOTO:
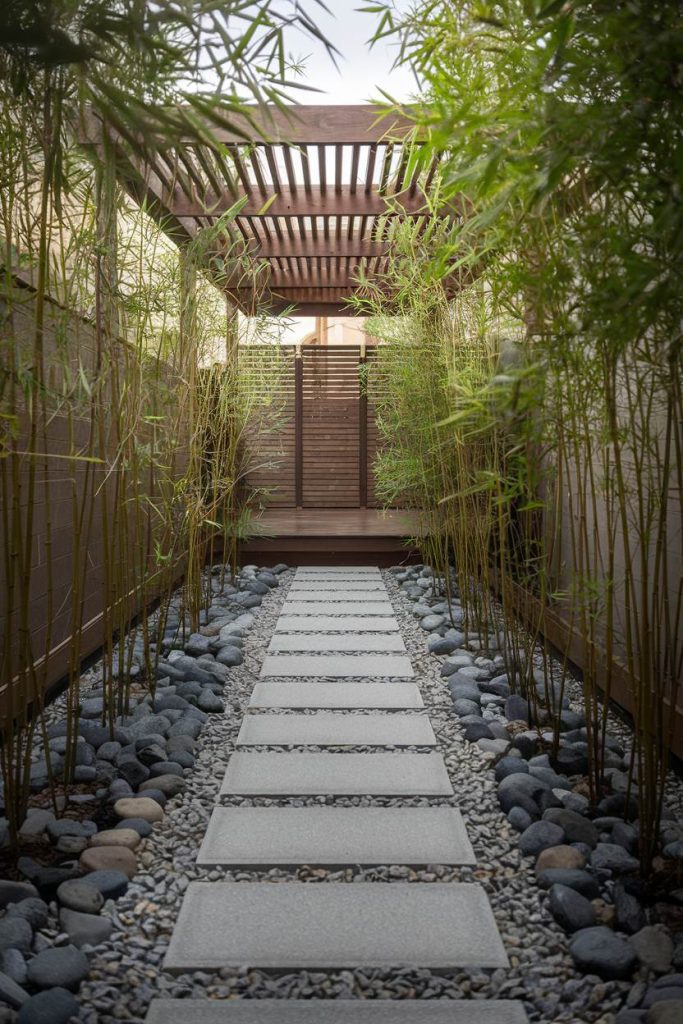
(312, 583)
(336, 624)
(325, 644)
(293, 925)
(338, 665)
(328, 607)
(253, 837)
(346, 593)
(336, 695)
(335, 1011)
(319, 774)
(329, 730)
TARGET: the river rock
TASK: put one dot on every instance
(10, 992)
(132, 770)
(13, 892)
(81, 895)
(574, 878)
(562, 856)
(540, 835)
(209, 702)
(15, 933)
(150, 725)
(229, 656)
(169, 785)
(57, 1006)
(85, 929)
(519, 818)
(611, 857)
(571, 761)
(68, 827)
(127, 837)
(510, 766)
(139, 807)
(142, 827)
(576, 828)
(13, 964)
(111, 884)
(668, 1011)
(60, 966)
(628, 910)
(571, 910)
(517, 709)
(463, 708)
(478, 730)
(654, 948)
(109, 858)
(521, 790)
(32, 909)
(441, 645)
(599, 951)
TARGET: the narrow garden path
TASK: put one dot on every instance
(335, 678)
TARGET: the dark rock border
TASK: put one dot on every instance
(51, 919)
(584, 856)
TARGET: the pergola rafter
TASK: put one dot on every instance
(319, 189)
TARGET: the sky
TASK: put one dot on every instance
(361, 69)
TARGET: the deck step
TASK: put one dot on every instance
(294, 925)
(338, 696)
(289, 643)
(327, 729)
(288, 623)
(319, 774)
(250, 838)
(350, 666)
(335, 1011)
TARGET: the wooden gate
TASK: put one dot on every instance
(320, 454)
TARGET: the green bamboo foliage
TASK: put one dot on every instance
(109, 336)
(557, 130)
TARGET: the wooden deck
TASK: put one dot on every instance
(320, 535)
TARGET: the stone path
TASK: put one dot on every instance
(334, 678)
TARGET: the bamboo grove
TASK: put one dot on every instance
(122, 416)
(537, 419)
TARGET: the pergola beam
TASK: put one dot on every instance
(322, 188)
(288, 202)
(319, 248)
(297, 125)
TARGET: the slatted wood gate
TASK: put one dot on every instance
(320, 453)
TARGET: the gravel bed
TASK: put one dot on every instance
(126, 971)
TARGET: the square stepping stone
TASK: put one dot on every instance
(338, 665)
(320, 643)
(313, 583)
(320, 774)
(337, 570)
(292, 925)
(335, 1011)
(318, 596)
(326, 729)
(349, 580)
(336, 624)
(336, 608)
(254, 837)
(336, 695)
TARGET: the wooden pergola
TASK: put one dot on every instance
(319, 191)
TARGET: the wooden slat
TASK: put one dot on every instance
(284, 202)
